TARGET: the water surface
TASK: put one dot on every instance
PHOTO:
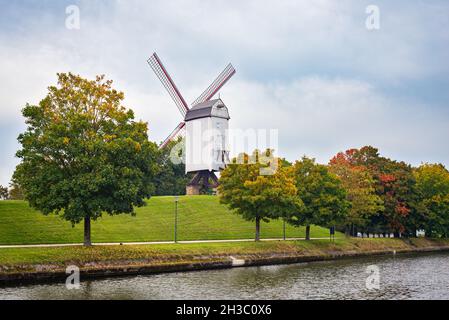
(424, 276)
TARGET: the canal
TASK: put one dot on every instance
(424, 276)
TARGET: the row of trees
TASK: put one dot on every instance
(392, 196)
(303, 193)
(358, 191)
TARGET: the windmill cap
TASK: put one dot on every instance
(207, 109)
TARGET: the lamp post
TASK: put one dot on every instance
(176, 218)
(284, 229)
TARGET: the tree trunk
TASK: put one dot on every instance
(87, 241)
(308, 232)
(257, 228)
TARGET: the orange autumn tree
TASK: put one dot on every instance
(394, 184)
(360, 191)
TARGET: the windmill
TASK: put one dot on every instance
(205, 124)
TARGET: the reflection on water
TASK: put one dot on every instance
(401, 277)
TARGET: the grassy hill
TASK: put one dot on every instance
(199, 218)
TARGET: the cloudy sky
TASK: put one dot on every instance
(310, 69)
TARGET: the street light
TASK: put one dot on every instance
(176, 218)
(283, 227)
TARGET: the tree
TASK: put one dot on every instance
(83, 154)
(15, 191)
(3, 192)
(400, 196)
(322, 194)
(171, 178)
(360, 191)
(395, 185)
(258, 197)
(432, 182)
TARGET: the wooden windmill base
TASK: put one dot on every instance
(202, 182)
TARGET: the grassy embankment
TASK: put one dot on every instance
(54, 259)
(199, 218)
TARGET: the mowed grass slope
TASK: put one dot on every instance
(199, 218)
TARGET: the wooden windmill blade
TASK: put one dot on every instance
(160, 71)
(176, 132)
(219, 82)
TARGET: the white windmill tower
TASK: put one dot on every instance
(205, 125)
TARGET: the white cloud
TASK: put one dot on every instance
(310, 69)
(25, 77)
(321, 116)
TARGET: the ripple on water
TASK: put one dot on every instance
(401, 277)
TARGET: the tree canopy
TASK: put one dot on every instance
(322, 194)
(83, 154)
(3, 192)
(360, 191)
(258, 197)
(432, 183)
(171, 178)
(15, 191)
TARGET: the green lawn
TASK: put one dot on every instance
(199, 218)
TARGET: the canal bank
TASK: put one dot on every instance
(22, 265)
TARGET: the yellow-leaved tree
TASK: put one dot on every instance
(259, 187)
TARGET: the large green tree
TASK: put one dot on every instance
(432, 182)
(322, 194)
(256, 193)
(83, 154)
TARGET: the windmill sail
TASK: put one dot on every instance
(219, 82)
(173, 135)
(160, 71)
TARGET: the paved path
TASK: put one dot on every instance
(145, 243)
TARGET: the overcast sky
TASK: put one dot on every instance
(310, 69)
